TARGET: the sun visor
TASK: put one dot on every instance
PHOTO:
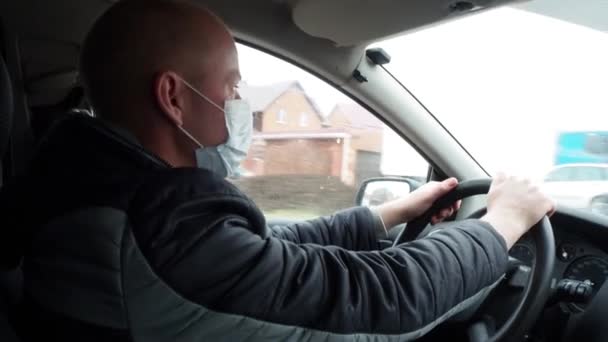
(353, 22)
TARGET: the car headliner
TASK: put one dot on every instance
(50, 32)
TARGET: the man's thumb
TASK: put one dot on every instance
(448, 185)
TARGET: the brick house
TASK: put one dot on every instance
(282, 107)
(291, 135)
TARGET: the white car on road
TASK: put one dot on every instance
(583, 186)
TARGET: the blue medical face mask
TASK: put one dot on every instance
(225, 159)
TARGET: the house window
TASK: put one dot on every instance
(282, 116)
(303, 119)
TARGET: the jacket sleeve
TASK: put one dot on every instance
(353, 229)
(226, 267)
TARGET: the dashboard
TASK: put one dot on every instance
(581, 245)
(578, 257)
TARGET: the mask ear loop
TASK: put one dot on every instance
(206, 99)
(200, 94)
(190, 136)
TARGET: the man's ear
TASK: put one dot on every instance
(168, 89)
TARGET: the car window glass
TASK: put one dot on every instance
(312, 146)
(563, 174)
(588, 173)
(532, 82)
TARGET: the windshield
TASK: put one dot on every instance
(523, 90)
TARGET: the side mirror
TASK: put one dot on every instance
(376, 191)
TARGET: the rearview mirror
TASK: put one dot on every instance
(376, 191)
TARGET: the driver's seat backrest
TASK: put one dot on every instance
(10, 280)
(6, 111)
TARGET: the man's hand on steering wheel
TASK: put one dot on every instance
(514, 206)
(415, 204)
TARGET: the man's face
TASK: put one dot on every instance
(217, 80)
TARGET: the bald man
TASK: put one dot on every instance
(136, 235)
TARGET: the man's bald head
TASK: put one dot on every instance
(144, 65)
(136, 39)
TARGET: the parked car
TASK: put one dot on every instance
(582, 186)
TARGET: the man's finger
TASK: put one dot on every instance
(456, 205)
(449, 183)
(552, 210)
(499, 178)
(446, 213)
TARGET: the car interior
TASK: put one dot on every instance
(555, 288)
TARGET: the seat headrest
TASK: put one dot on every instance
(6, 106)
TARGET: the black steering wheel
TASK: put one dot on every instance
(537, 288)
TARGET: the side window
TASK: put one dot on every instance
(312, 146)
(563, 174)
(588, 173)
